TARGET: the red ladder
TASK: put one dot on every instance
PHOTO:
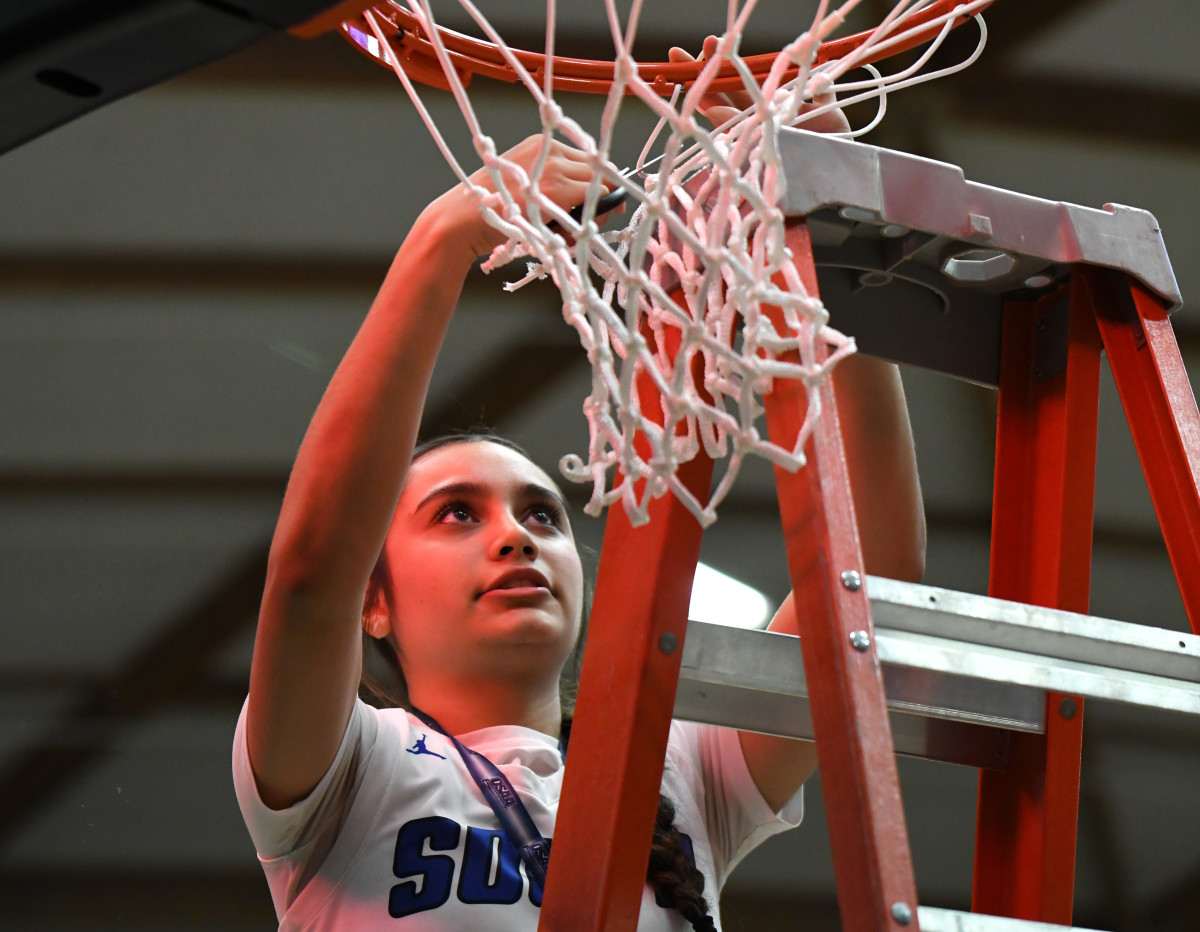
(1041, 554)
(1042, 540)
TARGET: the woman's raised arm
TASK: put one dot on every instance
(345, 484)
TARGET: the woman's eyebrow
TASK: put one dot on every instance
(463, 489)
(472, 490)
(533, 490)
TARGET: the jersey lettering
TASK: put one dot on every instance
(433, 874)
(491, 869)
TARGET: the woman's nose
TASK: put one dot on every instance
(515, 537)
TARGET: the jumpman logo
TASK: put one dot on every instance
(419, 748)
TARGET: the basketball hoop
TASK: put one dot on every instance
(471, 56)
(703, 251)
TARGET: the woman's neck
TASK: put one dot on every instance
(477, 705)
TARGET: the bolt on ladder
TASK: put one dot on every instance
(984, 284)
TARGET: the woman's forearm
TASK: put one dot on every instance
(883, 466)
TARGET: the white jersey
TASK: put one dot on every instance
(398, 836)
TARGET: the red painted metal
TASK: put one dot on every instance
(1161, 411)
(470, 56)
(854, 743)
(1042, 515)
(627, 686)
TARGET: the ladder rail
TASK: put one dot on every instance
(746, 679)
(1042, 520)
(867, 832)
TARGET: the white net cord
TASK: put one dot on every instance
(702, 254)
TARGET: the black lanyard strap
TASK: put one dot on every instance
(514, 818)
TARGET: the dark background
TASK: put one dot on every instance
(179, 274)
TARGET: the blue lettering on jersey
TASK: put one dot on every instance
(433, 873)
(491, 870)
(486, 850)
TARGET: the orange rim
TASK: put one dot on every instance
(474, 56)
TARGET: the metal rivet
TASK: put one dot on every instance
(860, 640)
(851, 580)
(667, 643)
(1068, 708)
(902, 913)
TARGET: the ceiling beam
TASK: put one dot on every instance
(513, 382)
(1080, 107)
(50, 480)
(1013, 23)
(189, 271)
(184, 271)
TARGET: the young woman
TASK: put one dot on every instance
(461, 563)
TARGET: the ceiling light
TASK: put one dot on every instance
(723, 600)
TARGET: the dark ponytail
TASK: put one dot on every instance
(673, 875)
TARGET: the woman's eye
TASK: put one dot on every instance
(546, 514)
(455, 513)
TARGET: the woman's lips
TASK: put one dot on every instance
(523, 583)
(518, 592)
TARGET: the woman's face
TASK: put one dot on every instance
(485, 575)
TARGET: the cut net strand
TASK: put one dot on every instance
(675, 301)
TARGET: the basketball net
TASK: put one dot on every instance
(700, 256)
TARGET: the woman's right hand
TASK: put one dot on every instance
(565, 179)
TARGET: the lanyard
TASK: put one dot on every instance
(514, 818)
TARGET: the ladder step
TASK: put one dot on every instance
(960, 671)
(932, 919)
(1011, 642)
(754, 681)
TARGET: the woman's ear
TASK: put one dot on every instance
(376, 621)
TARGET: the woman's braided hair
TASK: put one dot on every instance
(671, 873)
